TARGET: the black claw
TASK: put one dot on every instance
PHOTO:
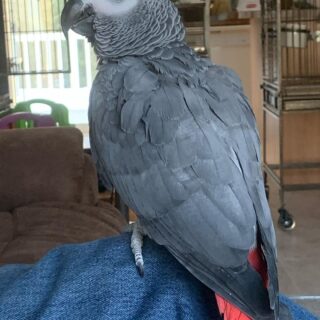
(140, 269)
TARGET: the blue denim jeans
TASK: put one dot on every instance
(98, 280)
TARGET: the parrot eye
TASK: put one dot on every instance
(88, 9)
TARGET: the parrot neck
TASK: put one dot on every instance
(176, 60)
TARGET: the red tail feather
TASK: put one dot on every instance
(231, 312)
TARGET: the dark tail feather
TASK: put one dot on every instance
(228, 310)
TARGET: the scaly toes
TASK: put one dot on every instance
(136, 246)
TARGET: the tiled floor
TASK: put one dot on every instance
(299, 249)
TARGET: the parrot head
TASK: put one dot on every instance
(118, 28)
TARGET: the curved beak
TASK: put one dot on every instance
(77, 16)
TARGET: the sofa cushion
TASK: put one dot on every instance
(6, 229)
(40, 164)
(89, 192)
(42, 226)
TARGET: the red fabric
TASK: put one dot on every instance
(230, 311)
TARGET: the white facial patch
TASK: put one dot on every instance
(112, 7)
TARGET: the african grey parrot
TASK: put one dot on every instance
(176, 137)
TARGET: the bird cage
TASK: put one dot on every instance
(196, 18)
(291, 95)
(291, 45)
(34, 41)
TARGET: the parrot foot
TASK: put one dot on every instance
(136, 246)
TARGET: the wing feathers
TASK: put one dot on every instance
(183, 151)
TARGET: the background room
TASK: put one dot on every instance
(274, 47)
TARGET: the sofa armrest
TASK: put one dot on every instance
(89, 192)
(43, 164)
(42, 226)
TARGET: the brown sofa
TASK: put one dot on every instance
(48, 194)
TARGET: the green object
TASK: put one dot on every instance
(59, 112)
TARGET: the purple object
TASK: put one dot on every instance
(10, 121)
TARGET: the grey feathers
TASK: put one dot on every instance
(182, 150)
(175, 135)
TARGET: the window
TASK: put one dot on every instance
(34, 39)
(41, 62)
